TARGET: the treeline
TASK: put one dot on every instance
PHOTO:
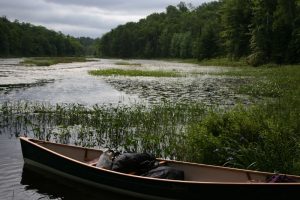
(90, 46)
(24, 39)
(263, 31)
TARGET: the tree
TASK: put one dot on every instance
(283, 26)
(236, 19)
(185, 45)
(294, 44)
(208, 45)
(261, 31)
(24, 39)
(182, 7)
(4, 42)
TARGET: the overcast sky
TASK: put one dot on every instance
(89, 18)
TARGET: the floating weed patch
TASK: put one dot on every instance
(121, 72)
(48, 61)
(128, 63)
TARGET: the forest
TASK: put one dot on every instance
(24, 39)
(261, 31)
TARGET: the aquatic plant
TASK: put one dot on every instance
(128, 63)
(122, 72)
(47, 61)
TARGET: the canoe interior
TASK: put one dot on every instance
(80, 154)
(192, 172)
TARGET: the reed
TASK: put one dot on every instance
(256, 137)
(127, 128)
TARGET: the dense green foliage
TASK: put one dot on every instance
(24, 39)
(89, 46)
(263, 31)
(264, 136)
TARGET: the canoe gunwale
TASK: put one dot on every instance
(36, 143)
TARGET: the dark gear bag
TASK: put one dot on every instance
(134, 162)
(165, 172)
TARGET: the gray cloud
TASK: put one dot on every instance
(83, 17)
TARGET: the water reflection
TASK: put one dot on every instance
(50, 186)
(61, 83)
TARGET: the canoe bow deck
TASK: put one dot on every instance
(78, 163)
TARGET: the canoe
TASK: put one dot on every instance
(200, 180)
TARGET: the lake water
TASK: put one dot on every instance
(62, 83)
(71, 83)
(19, 182)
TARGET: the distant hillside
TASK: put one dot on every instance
(24, 39)
(262, 31)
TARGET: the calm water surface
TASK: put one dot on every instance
(71, 83)
(61, 83)
(19, 182)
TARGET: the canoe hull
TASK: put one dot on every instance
(149, 188)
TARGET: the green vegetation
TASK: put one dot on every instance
(260, 31)
(90, 46)
(239, 33)
(261, 137)
(26, 40)
(223, 62)
(269, 81)
(264, 136)
(128, 63)
(121, 72)
(47, 61)
(134, 128)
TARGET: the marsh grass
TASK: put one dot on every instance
(224, 62)
(128, 63)
(136, 128)
(257, 138)
(265, 136)
(48, 61)
(268, 81)
(121, 72)
(262, 137)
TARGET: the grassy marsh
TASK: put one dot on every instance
(128, 63)
(122, 72)
(48, 61)
(224, 62)
(269, 81)
(265, 136)
(259, 137)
